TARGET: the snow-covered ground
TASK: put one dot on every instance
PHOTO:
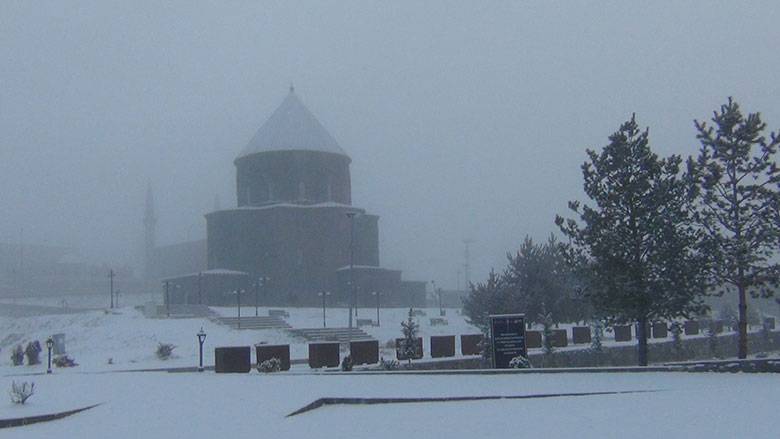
(207, 405)
(129, 339)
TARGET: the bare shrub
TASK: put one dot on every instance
(164, 350)
(21, 392)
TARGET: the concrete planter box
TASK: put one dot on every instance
(324, 355)
(580, 334)
(364, 352)
(442, 346)
(622, 332)
(234, 359)
(471, 344)
(265, 352)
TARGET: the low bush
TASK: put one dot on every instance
(33, 351)
(64, 361)
(164, 350)
(389, 364)
(20, 393)
(270, 365)
(519, 362)
(17, 355)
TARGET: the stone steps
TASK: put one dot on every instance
(254, 322)
(341, 335)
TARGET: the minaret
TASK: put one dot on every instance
(150, 227)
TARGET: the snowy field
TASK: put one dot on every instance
(121, 339)
(207, 405)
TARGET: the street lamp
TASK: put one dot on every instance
(49, 345)
(111, 275)
(238, 299)
(351, 216)
(168, 298)
(438, 293)
(201, 339)
(324, 295)
(377, 294)
(261, 281)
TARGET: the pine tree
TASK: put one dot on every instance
(637, 243)
(485, 298)
(598, 333)
(409, 329)
(738, 177)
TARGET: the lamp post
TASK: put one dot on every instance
(111, 286)
(168, 298)
(377, 294)
(324, 295)
(261, 282)
(353, 299)
(49, 345)
(238, 299)
(201, 339)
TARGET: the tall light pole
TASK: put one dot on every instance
(238, 299)
(261, 282)
(324, 295)
(200, 289)
(111, 286)
(377, 294)
(353, 294)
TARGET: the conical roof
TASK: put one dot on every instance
(292, 127)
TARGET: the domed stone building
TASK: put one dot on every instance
(295, 232)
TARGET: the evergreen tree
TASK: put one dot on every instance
(738, 177)
(637, 242)
(598, 334)
(409, 330)
(485, 298)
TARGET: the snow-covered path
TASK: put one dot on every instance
(208, 405)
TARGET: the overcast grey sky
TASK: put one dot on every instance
(462, 121)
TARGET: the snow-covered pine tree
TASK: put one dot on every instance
(677, 343)
(409, 330)
(637, 242)
(598, 333)
(737, 173)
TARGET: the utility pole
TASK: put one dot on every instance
(467, 262)
(200, 288)
(111, 286)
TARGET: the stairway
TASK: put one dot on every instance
(252, 322)
(341, 335)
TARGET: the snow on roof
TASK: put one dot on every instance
(218, 271)
(300, 206)
(365, 267)
(292, 127)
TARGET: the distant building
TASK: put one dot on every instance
(43, 270)
(294, 226)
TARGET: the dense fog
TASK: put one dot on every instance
(463, 121)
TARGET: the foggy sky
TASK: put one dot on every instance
(463, 121)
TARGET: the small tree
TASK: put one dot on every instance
(17, 355)
(738, 177)
(547, 326)
(33, 351)
(677, 343)
(409, 330)
(598, 333)
(712, 341)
